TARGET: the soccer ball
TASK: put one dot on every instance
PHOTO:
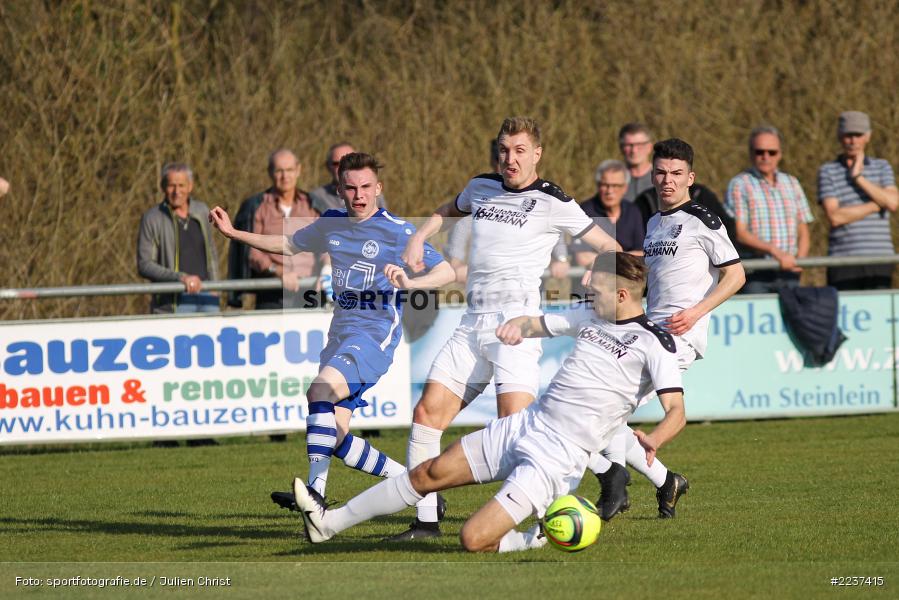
(571, 523)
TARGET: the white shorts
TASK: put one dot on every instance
(686, 356)
(473, 355)
(529, 456)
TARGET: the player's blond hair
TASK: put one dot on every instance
(513, 125)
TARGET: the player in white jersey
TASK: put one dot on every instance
(693, 268)
(516, 220)
(541, 451)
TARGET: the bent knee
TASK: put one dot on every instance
(435, 411)
(320, 391)
(420, 477)
(475, 541)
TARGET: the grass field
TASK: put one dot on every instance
(775, 509)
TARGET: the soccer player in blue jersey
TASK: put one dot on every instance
(365, 244)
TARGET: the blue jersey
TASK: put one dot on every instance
(359, 251)
(365, 329)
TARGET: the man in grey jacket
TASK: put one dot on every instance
(175, 244)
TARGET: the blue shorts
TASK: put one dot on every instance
(360, 360)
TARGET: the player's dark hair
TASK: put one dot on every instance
(673, 148)
(632, 128)
(513, 125)
(624, 265)
(356, 161)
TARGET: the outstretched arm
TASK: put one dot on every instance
(513, 331)
(668, 427)
(442, 274)
(279, 244)
(600, 241)
(414, 251)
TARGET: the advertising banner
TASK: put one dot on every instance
(173, 377)
(752, 369)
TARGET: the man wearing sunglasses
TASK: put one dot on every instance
(771, 212)
(858, 193)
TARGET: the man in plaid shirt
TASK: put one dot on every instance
(771, 213)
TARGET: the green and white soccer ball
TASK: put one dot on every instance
(571, 523)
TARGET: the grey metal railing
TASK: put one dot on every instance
(250, 285)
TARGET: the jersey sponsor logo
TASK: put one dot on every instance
(370, 249)
(501, 215)
(660, 248)
(528, 204)
(334, 242)
(604, 340)
(360, 276)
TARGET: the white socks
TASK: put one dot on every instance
(389, 496)
(617, 447)
(636, 457)
(424, 443)
(598, 463)
(522, 540)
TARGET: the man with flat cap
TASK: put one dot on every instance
(858, 193)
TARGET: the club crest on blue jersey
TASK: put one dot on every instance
(370, 249)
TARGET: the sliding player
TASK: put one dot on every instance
(541, 451)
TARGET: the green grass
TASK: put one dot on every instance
(775, 509)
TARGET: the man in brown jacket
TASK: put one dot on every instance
(283, 210)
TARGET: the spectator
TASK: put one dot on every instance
(4, 187)
(283, 209)
(635, 142)
(326, 197)
(857, 193)
(771, 213)
(175, 244)
(621, 220)
(238, 252)
(648, 204)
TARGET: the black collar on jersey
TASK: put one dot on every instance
(641, 318)
(665, 338)
(536, 186)
(698, 210)
(683, 206)
(539, 185)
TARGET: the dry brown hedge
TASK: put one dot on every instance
(96, 96)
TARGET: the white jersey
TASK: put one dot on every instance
(612, 366)
(684, 248)
(513, 233)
